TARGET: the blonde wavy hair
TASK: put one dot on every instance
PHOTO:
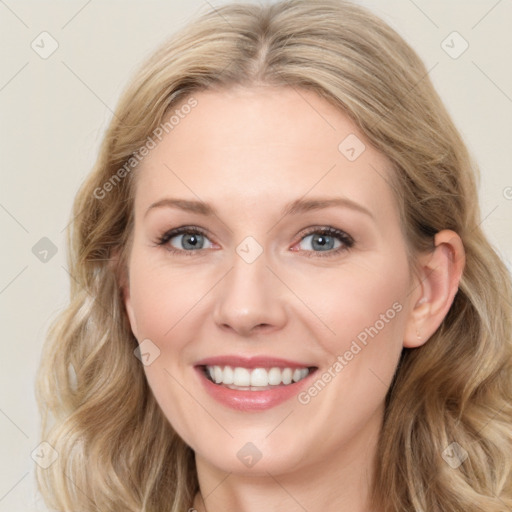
(116, 450)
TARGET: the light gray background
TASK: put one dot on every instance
(54, 111)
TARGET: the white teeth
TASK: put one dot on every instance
(287, 376)
(257, 377)
(274, 376)
(228, 375)
(304, 372)
(217, 374)
(241, 376)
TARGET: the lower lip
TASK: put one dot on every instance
(251, 400)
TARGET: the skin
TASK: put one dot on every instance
(248, 152)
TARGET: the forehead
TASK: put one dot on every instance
(244, 145)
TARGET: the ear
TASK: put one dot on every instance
(435, 287)
(121, 270)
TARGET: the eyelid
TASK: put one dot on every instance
(163, 240)
(347, 241)
(325, 229)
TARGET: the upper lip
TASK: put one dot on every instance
(252, 362)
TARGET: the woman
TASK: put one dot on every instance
(281, 298)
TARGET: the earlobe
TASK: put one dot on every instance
(438, 281)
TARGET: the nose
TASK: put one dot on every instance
(250, 299)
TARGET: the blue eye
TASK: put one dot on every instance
(189, 241)
(184, 239)
(328, 240)
(324, 241)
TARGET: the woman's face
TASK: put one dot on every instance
(290, 265)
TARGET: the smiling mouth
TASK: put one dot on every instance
(255, 379)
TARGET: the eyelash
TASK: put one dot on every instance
(346, 240)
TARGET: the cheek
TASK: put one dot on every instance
(365, 308)
(367, 317)
(161, 296)
(365, 313)
(162, 304)
(360, 302)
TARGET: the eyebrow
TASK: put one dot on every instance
(306, 205)
(295, 207)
